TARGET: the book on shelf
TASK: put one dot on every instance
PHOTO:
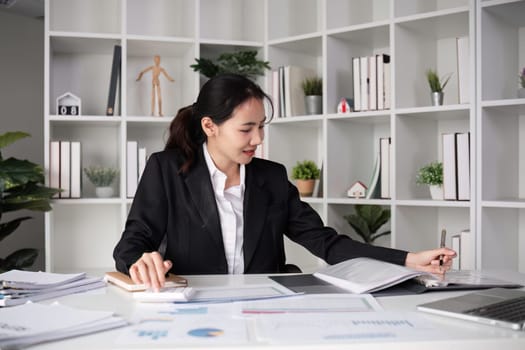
(365, 275)
(142, 159)
(385, 155)
(372, 83)
(387, 80)
(374, 183)
(466, 252)
(463, 54)
(114, 80)
(456, 246)
(282, 100)
(294, 95)
(449, 166)
(356, 76)
(463, 165)
(275, 94)
(131, 168)
(363, 81)
(125, 282)
(76, 170)
(65, 168)
(54, 165)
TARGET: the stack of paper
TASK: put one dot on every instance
(19, 286)
(31, 323)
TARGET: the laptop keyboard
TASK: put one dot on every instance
(512, 310)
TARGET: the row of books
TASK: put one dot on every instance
(456, 166)
(371, 82)
(65, 168)
(286, 90)
(463, 244)
(136, 158)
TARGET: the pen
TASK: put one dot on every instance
(442, 244)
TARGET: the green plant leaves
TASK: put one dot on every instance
(239, 62)
(305, 170)
(11, 137)
(6, 228)
(20, 259)
(15, 172)
(367, 220)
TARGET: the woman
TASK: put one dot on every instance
(223, 211)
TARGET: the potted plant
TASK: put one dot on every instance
(21, 187)
(240, 62)
(367, 220)
(436, 86)
(313, 95)
(102, 178)
(305, 173)
(432, 175)
(521, 90)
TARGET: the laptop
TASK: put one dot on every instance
(496, 306)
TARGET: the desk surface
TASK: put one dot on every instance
(461, 334)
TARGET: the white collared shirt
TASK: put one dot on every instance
(230, 206)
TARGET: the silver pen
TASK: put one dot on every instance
(442, 244)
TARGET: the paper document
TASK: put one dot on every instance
(35, 323)
(248, 292)
(36, 280)
(344, 328)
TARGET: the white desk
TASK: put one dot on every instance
(459, 334)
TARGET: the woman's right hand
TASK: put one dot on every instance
(150, 270)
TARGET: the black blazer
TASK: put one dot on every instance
(182, 207)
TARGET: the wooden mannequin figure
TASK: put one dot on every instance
(156, 69)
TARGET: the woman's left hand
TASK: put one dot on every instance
(436, 261)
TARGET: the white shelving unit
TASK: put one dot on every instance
(323, 35)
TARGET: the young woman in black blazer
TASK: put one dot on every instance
(221, 210)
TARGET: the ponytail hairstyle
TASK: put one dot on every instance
(217, 100)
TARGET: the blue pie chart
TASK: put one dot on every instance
(206, 332)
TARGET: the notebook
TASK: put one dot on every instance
(125, 282)
(495, 306)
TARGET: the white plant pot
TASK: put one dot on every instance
(436, 192)
(104, 192)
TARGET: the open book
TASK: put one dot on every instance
(364, 275)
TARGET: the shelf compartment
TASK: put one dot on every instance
(502, 52)
(419, 142)
(352, 150)
(503, 159)
(93, 152)
(81, 66)
(502, 238)
(152, 136)
(176, 58)
(241, 20)
(293, 17)
(91, 224)
(419, 228)
(169, 18)
(343, 13)
(342, 47)
(304, 53)
(336, 220)
(289, 143)
(426, 44)
(95, 16)
(414, 7)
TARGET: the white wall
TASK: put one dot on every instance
(21, 108)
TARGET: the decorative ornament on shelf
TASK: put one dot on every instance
(101, 178)
(345, 105)
(357, 190)
(240, 62)
(305, 173)
(313, 95)
(437, 85)
(432, 175)
(69, 104)
(21, 187)
(156, 93)
(521, 90)
(367, 220)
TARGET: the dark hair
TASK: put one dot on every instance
(217, 99)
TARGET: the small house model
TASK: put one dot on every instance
(357, 190)
(345, 106)
(68, 104)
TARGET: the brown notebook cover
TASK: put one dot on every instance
(125, 282)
